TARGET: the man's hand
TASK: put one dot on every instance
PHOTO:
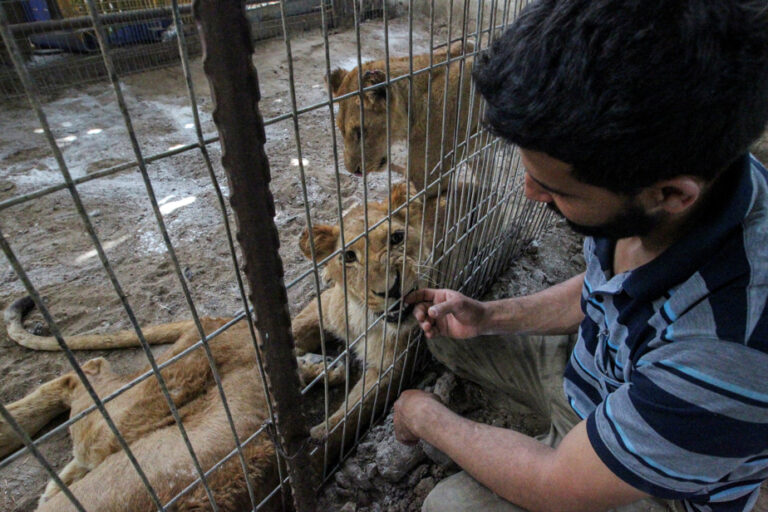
(518, 468)
(447, 313)
(411, 408)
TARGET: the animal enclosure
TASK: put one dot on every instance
(114, 214)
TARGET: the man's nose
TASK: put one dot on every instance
(535, 192)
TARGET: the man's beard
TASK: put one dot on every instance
(631, 221)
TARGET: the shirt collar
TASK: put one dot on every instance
(684, 257)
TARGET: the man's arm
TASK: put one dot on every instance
(516, 467)
(556, 310)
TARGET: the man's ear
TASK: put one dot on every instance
(324, 237)
(337, 76)
(675, 195)
(373, 77)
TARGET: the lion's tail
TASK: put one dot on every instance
(155, 335)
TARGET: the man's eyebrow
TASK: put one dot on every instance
(547, 187)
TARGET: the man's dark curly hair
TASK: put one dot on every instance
(631, 92)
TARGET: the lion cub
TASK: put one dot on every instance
(402, 247)
(426, 137)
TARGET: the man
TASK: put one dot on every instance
(633, 120)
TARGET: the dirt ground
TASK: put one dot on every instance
(50, 242)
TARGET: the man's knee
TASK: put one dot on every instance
(462, 493)
(440, 499)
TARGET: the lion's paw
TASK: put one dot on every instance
(318, 432)
(311, 366)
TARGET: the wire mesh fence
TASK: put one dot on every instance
(114, 215)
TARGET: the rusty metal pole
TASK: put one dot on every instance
(227, 54)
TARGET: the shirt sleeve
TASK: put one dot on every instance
(691, 423)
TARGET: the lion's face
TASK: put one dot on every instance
(396, 247)
(374, 145)
(373, 132)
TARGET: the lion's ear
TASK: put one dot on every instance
(337, 76)
(400, 194)
(324, 237)
(373, 77)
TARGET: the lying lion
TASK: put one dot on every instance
(100, 475)
(374, 132)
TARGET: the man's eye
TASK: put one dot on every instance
(396, 237)
(350, 257)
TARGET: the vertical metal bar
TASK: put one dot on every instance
(340, 212)
(450, 193)
(426, 172)
(407, 201)
(366, 239)
(388, 134)
(303, 180)
(427, 122)
(462, 210)
(458, 195)
(510, 210)
(493, 225)
(235, 91)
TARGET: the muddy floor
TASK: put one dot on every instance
(50, 242)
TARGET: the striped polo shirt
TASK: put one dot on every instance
(671, 366)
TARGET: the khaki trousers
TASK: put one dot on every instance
(528, 370)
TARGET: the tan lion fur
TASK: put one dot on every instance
(440, 148)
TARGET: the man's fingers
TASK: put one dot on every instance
(427, 326)
(420, 295)
(436, 311)
(420, 312)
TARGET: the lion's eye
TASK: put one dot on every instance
(396, 237)
(350, 257)
(356, 131)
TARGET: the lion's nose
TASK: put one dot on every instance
(358, 172)
(394, 291)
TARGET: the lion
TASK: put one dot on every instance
(426, 136)
(100, 474)
(394, 263)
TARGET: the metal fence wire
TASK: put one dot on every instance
(113, 214)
